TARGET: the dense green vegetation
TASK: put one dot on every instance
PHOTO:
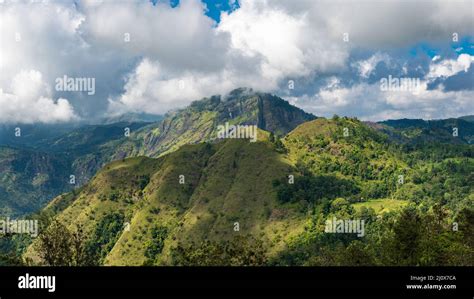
(155, 244)
(404, 238)
(59, 246)
(105, 236)
(313, 189)
(240, 251)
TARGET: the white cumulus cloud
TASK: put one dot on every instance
(371, 102)
(450, 67)
(29, 101)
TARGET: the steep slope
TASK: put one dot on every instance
(199, 122)
(195, 124)
(39, 167)
(345, 147)
(222, 185)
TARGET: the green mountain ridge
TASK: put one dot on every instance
(213, 187)
(198, 122)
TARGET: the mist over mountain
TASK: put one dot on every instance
(130, 117)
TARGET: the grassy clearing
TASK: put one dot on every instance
(382, 205)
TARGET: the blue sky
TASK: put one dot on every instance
(214, 7)
(158, 56)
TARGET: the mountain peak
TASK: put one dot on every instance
(239, 93)
(199, 122)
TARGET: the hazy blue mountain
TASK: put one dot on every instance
(467, 118)
(29, 178)
(131, 117)
(32, 134)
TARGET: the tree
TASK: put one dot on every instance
(356, 254)
(408, 232)
(272, 137)
(240, 251)
(81, 253)
(105, 235)
(58, 246)
(55, 245)
(155, 244)
(466, 226)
